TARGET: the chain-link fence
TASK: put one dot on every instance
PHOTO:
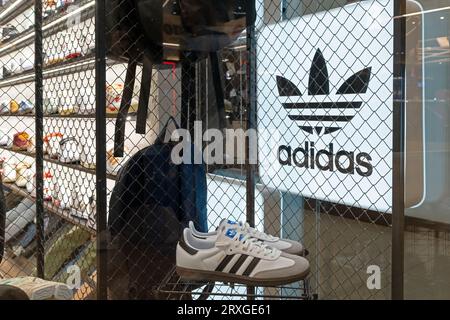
(58, 243)
(284, 111)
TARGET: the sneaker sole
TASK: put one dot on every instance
(200, 275)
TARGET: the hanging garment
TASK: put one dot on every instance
(151, 203)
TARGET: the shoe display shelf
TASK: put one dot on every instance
(13, 9)
(50, 207)
(20, 83)
(53, 24)
(173, 288)
(75, 166)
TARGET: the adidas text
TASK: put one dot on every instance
(326, 159)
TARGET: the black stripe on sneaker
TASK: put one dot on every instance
(251, 266)
(186, 247)
(238, 263)
(224, 262)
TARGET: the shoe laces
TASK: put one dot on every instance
(256, 233)
(247, 243)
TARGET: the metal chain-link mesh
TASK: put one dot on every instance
(16, 138)
(317, 60)
(323, 84)
(69, 130)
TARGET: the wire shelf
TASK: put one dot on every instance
(174, 288)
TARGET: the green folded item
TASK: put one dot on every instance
(62, 250)
(86, 262)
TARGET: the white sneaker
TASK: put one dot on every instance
(69, 150)
(285, 245)
(237, 258)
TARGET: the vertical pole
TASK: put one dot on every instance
(39, 129)
(251, 119)
(398, 190)
(100, 126)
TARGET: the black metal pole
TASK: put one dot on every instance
(39, 130)
(251, 120)
(100, 126)
(398, 188)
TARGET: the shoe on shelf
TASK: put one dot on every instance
(114, 98)
(14, 106)
(52, 144)
(48, 190)
(5, 140)
(23, 172)
(88, 157)
(21, 141)
(25, 107)
(50, 105)
(31, 145)
(66, 109)
(236, 257)
(9, 172)
(9, 32)
(85, 101)
(38, 289)
(4, 107)
(285, 245)
(69, 150)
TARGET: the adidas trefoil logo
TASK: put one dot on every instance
(319, 85)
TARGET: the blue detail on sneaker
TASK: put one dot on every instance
(231, 233)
